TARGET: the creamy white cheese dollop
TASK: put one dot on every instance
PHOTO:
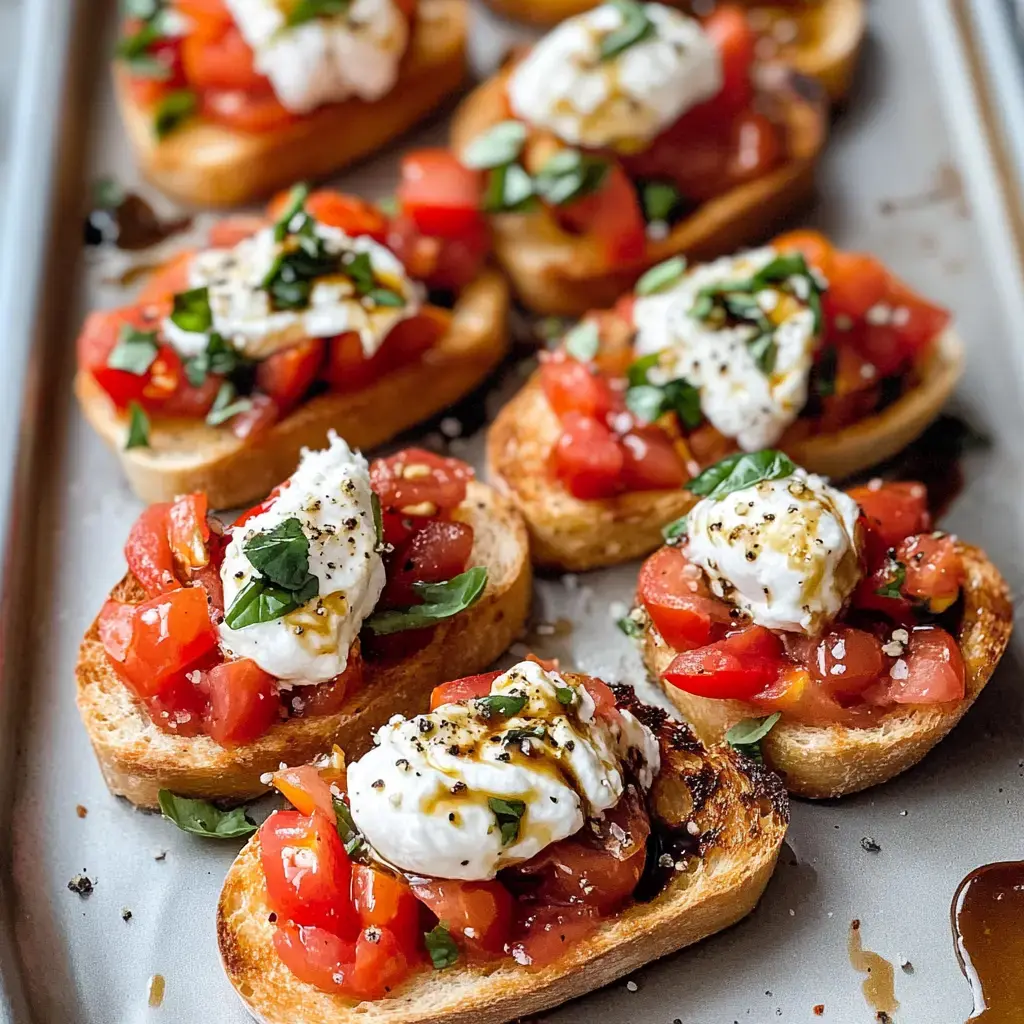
(785, 551)
(421, 795)
(242, 308)
(622, 102)
(328, 58)
(739, 398)
(330, 496)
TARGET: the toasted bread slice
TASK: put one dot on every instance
(553, 272)
(575, 535)
(138, 759)
(740, 813)
(188, 455)
(211, 165)
(820, 762)
(828, 33)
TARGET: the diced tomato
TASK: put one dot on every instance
(229, 231)
(755, 147)
(735, 668)
(100, 335)
(148, 550)
(651, 462)
(612, 216)
(920, 320)
(246, 112)
(167, 280)
(287, 374)
(261, 415)
(330, 697)
(410, 338)
(443, 263)
(415, 477)
(934, 570)
(846, 660)
(307, 871)
(892, 512)
(803, 699)
(549, 932)
(730, 31)
(188, 531)
(222, 62)
(571, 386)
(243, 702)
(479, 914)
(462, 689)
(170, 633)
(817, 250)
(347, 368)
(438, 552)
(676, 597)
(934, 667)
(305, 789)
(115, 628)
(208, 18)
(314, 955)
(857, 282)
(348, 213)
(179, 708)
(440, 195)
(382, 962)
(384, 900)
(602, 696)
(262, 507)
(587, 458)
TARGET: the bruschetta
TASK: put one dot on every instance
(328, 315)
(820, 352)
(629, 134)
(820, 39)
(838, 634)
(226, 101)
(343, 598)
(533, 837)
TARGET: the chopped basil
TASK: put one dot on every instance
(513, 737)
(661, 276)
(352, 839)
(824, 373)
(295, 205)
(389, 206)
(138, 427)
(501, 145)
(500, 704)
(892, 586)
(648, 401)
(763, 350)
(218, 357)
(509, 190)
(583, 341)
(227, 404)
(173, 110)
(378, 519)
(569, 175)
(262, 601)
(441, 947)
(630, 627)
(636, 26)
(192, 311)
(565, 695)
(385, 297)
(203, 819)
(675, 531)
(509, 814)
(637, 372)
(741, 470)
(440, 601)
(134, 352)
(289, 281)
(281, 554)
(308, 10)
(745, 737)
(107, 193)
(660, 200)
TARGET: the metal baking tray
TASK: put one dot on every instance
(911, 173)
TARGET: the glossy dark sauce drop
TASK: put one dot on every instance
(988, 931)
(127, 221)
(880, 984)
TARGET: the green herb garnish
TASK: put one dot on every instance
(310, 10)
(296, 204)
(649, 401)
(739, 471)
(565, 694)
(378, 519)
(501, 145)
(203, 819)
(635, 27)
(352, 839)
(218, 357)
(174, 110)
(134, 352)
(138, 427)
(509, 814)
(893, 585)
(569, 175)
(745, 737)
(192, 311)
(661, 276)
(630, 627)
(583, 341)
(659, 200)
(227, 404)
(509, 190)
(441, 947)
(500, 704)
(440, 601)
(675, 531)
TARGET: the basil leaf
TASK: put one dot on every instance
(138, 427)
(636, 27)
(360, 269)
(509, 190)
(501, 145)
(824, 373)
(281, 554)
(192, 311)
(203, 819)
(675, 531)
(134, 352)
(441, 947)
(218, 357)
(107, 193)
(513, 737)
(226, 405)
(565, 695)
(509, 814)
(352, 839)
(583, 341)
(763, 350)
(385, 297)
(500, 704)
(661, 276)
(745, 737)
(637, 372)
(569, 175)
(309, 10)
(892, 587)
(741, 470)
(173, 110)
(295, 205)
(440, 601)
(646, 402)
(630, 627)
(659, 200)
(378, 518)
(262, 601)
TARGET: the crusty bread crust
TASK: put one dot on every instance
(574, 535)
(138, 759)
(211, 165)
(820, 762)
(553, 272)
(187, 455)
(829, 41)
(738, 809)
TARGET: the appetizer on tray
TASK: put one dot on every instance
(328, 315)
(629, 134)
(822, 353)
(225, 101)
(838, 630)
(530, 839)
(342, 599)
(819, 38)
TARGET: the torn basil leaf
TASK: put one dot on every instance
(501, 145)
(138, 427)
(441, 947)
(227, 404)
(309, 10)
(352, 839)
(218, 357)
(378, 519)
(647, 402)
(893, 585)
(745, 737)
(174, 110)
(500, 704)
(660, 200)
(636, 27)
(739, 471)
(583, 341)
(565, 695)
(661, 276)
(509, 190)
(262, 601)
(134, 352)
(201, 818)
(281, 554)
(509, 814)
(440, 601)
(191, 311)
(296, 204)
(675, 531)
(630, 627)
(569, 175)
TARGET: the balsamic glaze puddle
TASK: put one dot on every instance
(666, 847)
(127, 221)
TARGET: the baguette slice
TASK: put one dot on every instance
(187, 455)
(553, 272)
(138, 759)
(821, 762)
(829, 33)
(741, 814)
(211, 165)
(575, 535)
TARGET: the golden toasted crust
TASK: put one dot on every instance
(575, 535)
(211, 165)
(830, 761)
(138, 759)
(188, 455)
(828, 41)
(553, 272)
(740, 814)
